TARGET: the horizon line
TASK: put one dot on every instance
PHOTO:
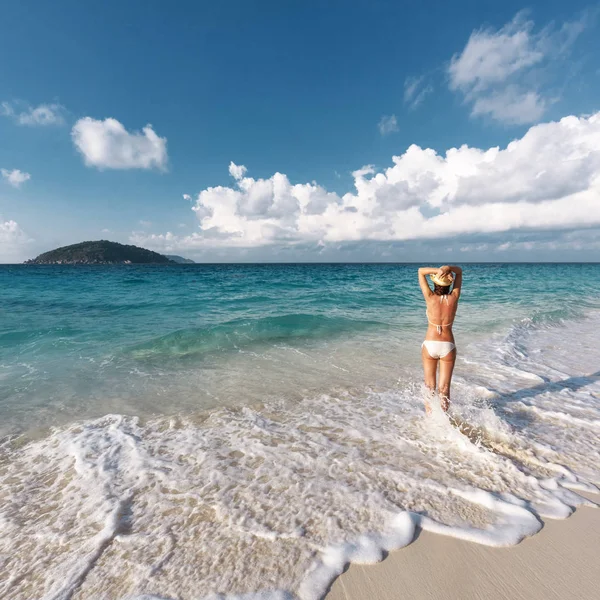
(490, 262)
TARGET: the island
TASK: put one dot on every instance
(100, 252)
(180, 259)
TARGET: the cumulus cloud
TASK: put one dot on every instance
(15, 177)
(237, 171)
(44, 114)
(108, 145)
(547, 180)
(13, 242)
(387, 124)
(495, 72)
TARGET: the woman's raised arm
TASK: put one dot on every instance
(423, 271)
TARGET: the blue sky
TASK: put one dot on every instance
(313, 91)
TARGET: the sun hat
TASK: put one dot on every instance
(443, 280)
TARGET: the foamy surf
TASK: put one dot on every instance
(272, 501)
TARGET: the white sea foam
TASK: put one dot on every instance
(271, 501)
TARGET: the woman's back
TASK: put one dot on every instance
(441, 310)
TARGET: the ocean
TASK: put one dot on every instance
(189, 432)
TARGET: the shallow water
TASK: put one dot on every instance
(178, 432)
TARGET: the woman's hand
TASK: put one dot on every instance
(443, 270)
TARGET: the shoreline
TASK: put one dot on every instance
(558, 563)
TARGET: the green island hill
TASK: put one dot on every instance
(180, 259)
(100, 252)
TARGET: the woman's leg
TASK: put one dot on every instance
(446, 368)
(429, 368)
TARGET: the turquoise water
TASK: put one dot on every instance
(140, 384)
(71, 337)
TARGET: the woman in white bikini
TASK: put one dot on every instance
(438, 346)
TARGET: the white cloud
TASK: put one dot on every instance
(13, 242)
(163, 242)
(15, 177)
(144, 223)
(497, 71)
(387, 124)
(415, 90)
(108, 145)
(475, 248)
(492, 56)
(44, 114)
(511, 106)
(236, 171)
(547, 180)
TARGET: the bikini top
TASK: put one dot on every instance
(439, 326)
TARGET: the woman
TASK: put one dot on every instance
(438, 346)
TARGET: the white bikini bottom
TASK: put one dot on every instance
(438, 349)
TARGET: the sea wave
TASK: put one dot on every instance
(246, 332)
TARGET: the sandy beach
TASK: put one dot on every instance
(560, 562)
